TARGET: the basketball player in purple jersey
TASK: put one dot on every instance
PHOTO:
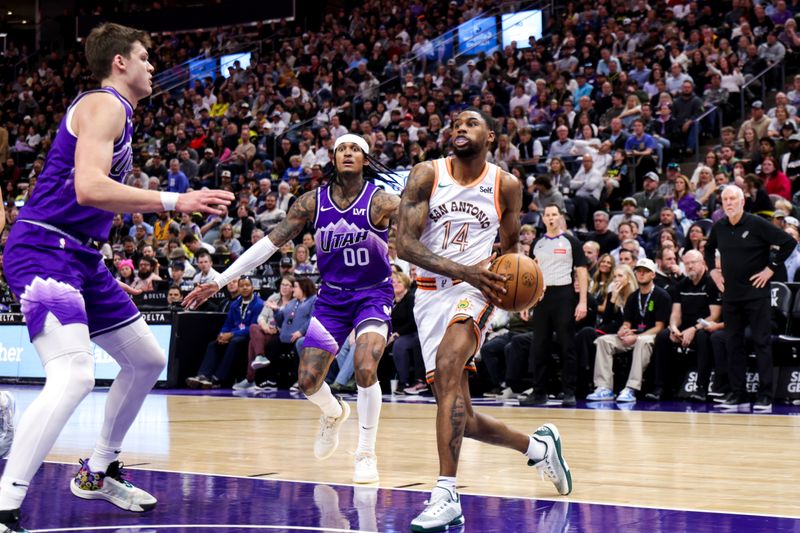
(68, 296)
(351, 217)
(451, 211)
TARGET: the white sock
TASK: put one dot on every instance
(447, 483)
(326, 401)
(536, 450)
(102, 456)
(369, 404)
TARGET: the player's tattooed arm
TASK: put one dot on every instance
(301, 213)
(510, 207)
(384, 209)
(414, 209)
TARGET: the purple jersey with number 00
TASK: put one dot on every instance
(54, 200)
(351, 252)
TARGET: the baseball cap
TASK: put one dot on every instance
(286, 262)
(758, 104)
(226, 173)
(209, 151)
(410, 85)
(672, 165)
(645, 263)
(795, 137)
(630, 200)
(178, 265)
(245, 105)
(626, 21)
(470, 63)
(780, 213)
(791, 221)
(652, 176)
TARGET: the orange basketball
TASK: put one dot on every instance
(525, 283)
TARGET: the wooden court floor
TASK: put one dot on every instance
(695, 461)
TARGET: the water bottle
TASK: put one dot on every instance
(646, 213)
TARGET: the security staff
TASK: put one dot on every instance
(559, 255)
(745, 242)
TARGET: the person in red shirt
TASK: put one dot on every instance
(775, 181)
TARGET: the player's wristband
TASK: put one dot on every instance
(169, 200)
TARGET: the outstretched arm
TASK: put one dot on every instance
(98, 121)
(414, 210)
(301, 212)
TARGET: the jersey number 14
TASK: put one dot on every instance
(459, 239)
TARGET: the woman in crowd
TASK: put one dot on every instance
(693, 238)
(227, 240)
(262, 332)
(602, 279)
(302, 261)
(775, 181)
(125, 272)
(756, 198)
(559, 175)
(683, 199)
(610, 319)
(293, 320)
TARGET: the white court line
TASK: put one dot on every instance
(480, 494)
(138, 527)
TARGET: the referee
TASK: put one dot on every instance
(559, 255)
(745, 243)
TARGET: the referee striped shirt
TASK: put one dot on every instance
(558, 258)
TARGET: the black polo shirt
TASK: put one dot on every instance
(695, 299)
(642, 311)
(745, 249)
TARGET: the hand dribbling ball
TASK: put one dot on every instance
(525, 283)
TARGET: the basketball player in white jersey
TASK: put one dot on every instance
(450, 214)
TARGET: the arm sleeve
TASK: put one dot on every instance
(253, 257)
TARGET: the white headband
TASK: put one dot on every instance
(355, 139)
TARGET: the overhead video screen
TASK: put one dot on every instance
(520, 26)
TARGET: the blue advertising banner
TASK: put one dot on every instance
(18, 357)
(477, 35)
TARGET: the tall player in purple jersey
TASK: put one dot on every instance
(68, 296)
(351, 217)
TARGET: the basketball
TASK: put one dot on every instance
(525, 283)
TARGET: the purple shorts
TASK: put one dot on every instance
(337, 313)
(52, 272)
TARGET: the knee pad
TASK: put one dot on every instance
(374, 326)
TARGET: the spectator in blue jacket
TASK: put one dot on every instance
(176, 179)
(232, 341)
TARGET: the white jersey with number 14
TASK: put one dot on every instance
(462, 220)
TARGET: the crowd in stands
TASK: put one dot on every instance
(599, 117)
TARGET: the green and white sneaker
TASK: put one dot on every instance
(553, 464)
(442, 512)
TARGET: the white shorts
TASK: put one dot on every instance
(435, 310)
